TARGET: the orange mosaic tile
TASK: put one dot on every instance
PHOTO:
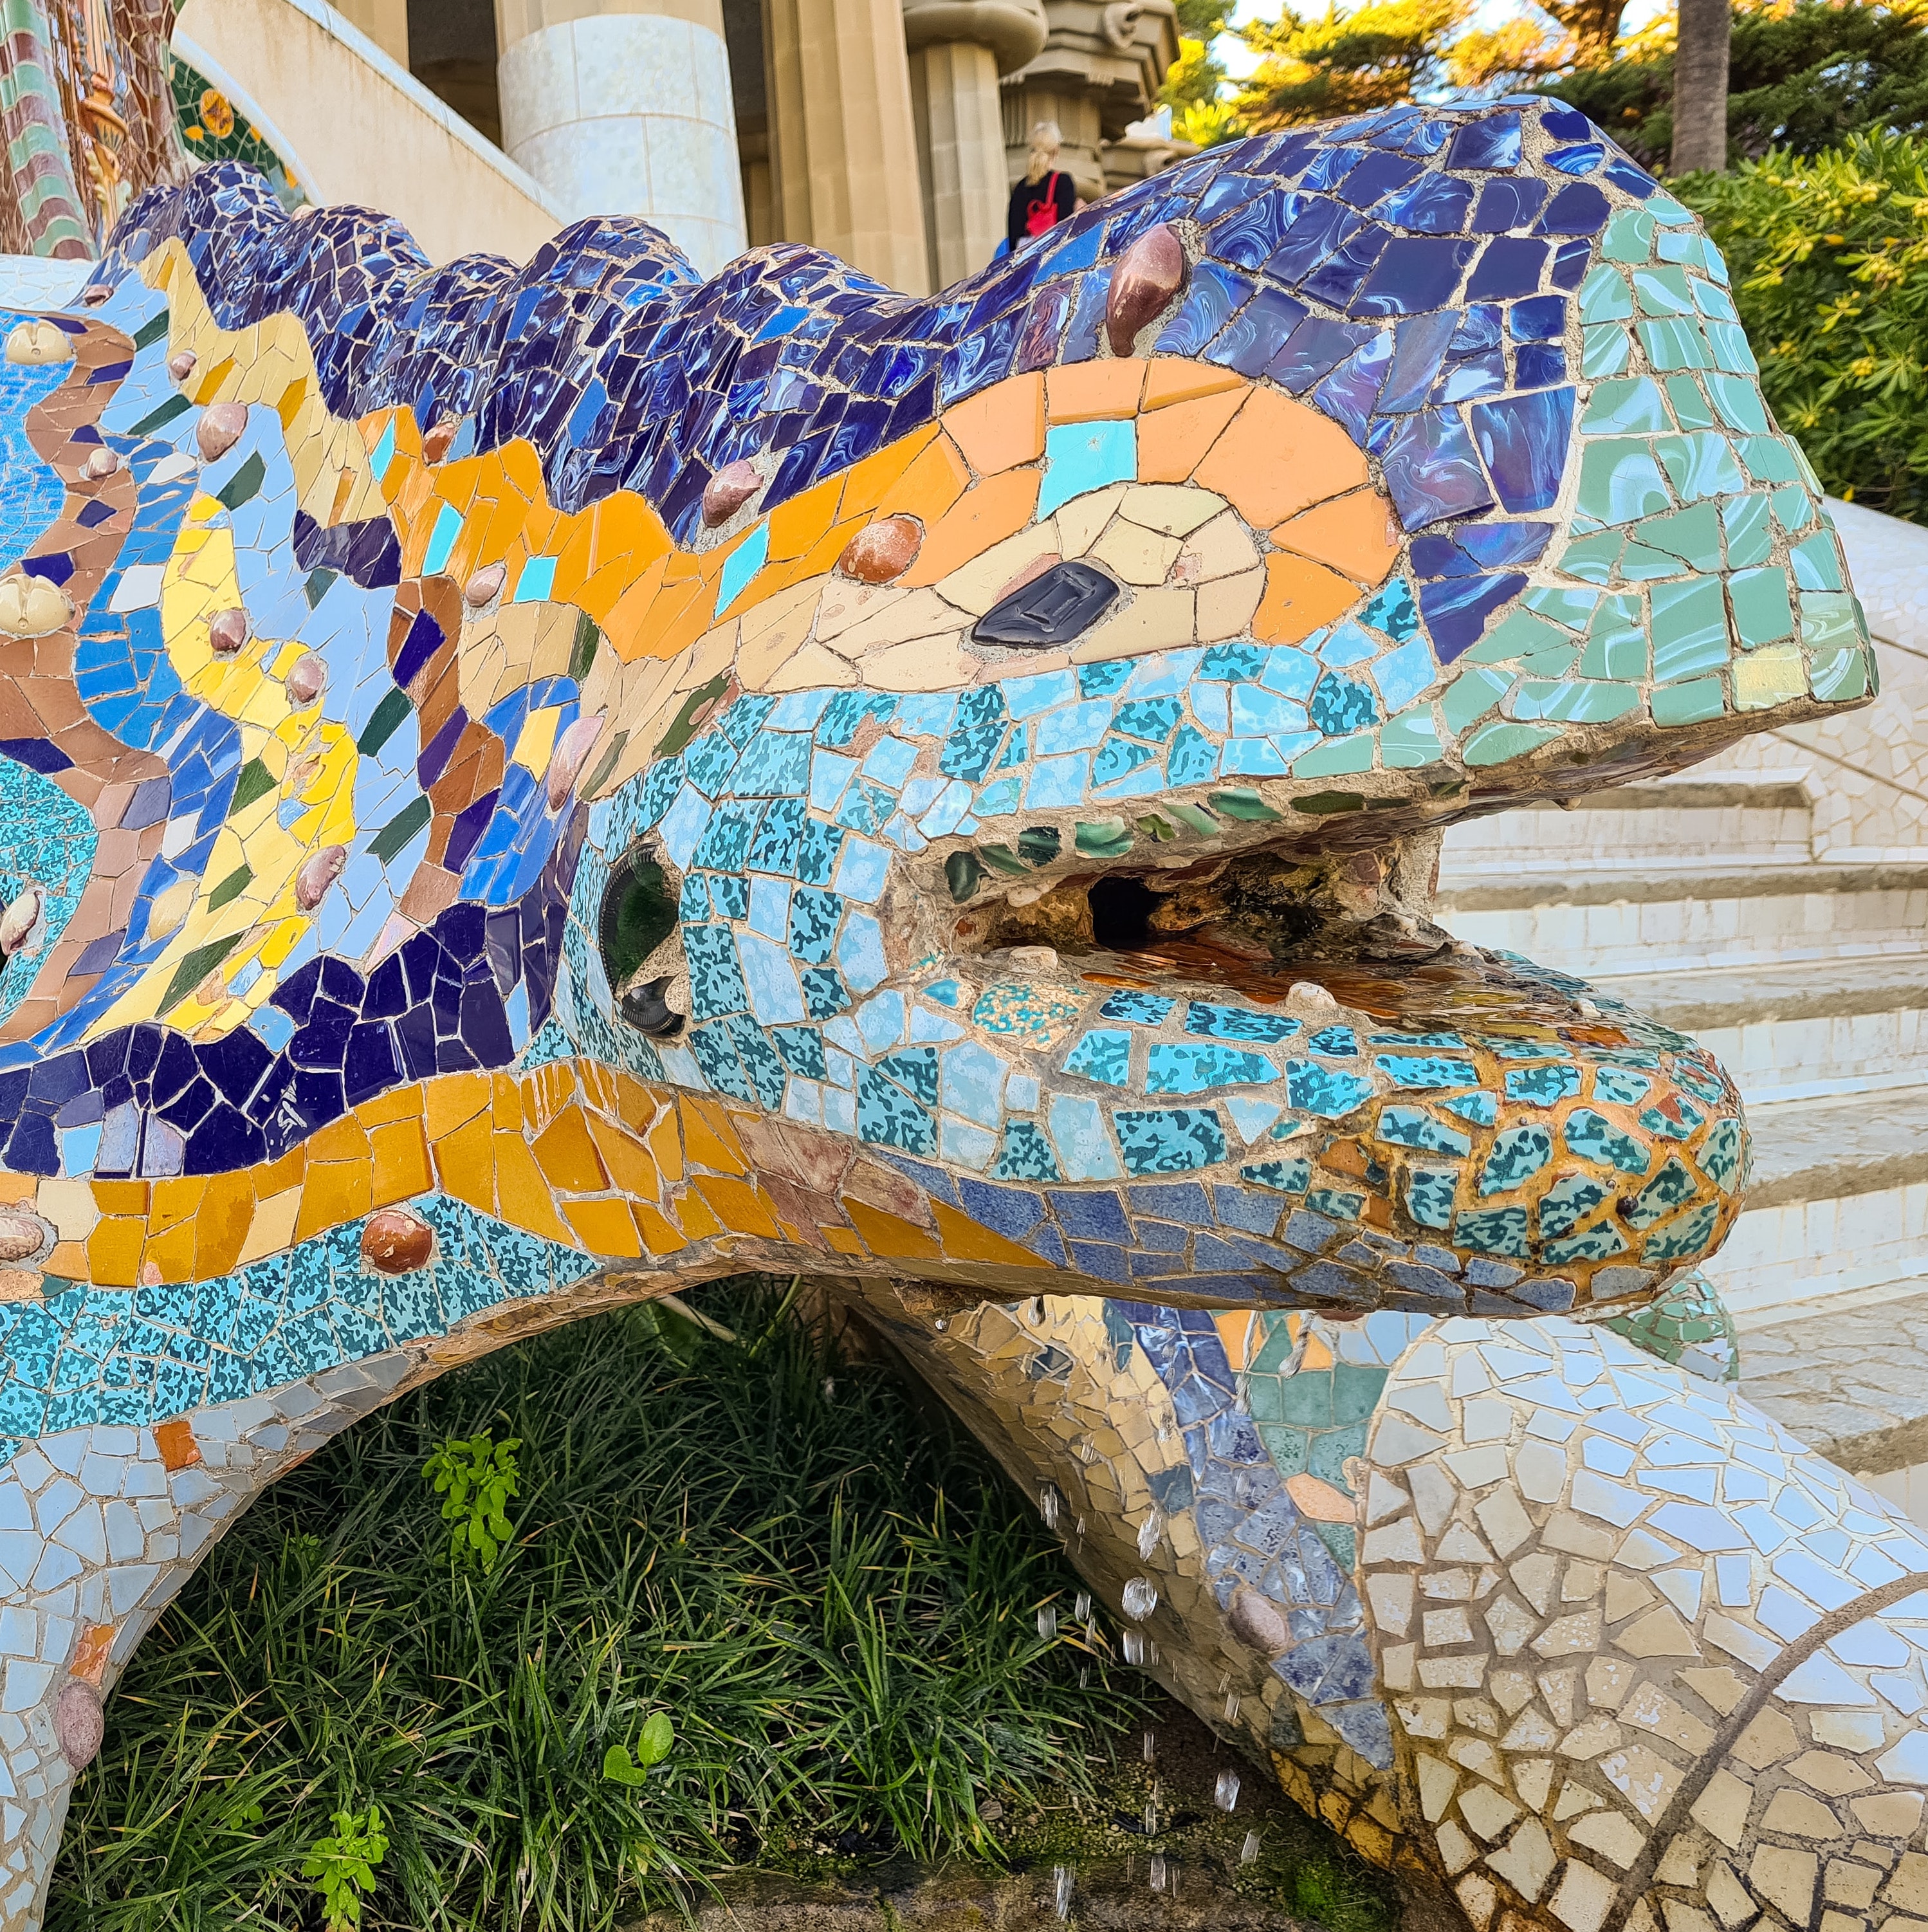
(1002, 426)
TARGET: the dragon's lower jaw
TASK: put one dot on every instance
(1461, 1133)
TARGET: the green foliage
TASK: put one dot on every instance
(1829, 262)
(476, 1480)
(1803, 78)
(835, 1594)
(343, 1866)
(1317, 67)
(1193, 81)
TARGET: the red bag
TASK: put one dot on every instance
(1042, 214)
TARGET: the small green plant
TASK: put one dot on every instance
(474, 1480)
(652, 1747)
(343, 1866)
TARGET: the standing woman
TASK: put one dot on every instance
(1045, 195)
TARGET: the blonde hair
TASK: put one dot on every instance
(1046, 140)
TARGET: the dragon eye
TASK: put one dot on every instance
(1062, 604)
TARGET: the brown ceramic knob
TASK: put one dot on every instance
(227, 631)
(307, 678)
(1255, 1621)
(565, 762)
(78, 1725)
(884, 550)
(435, 445)
(94, 294)
(22, 1236)
(728, 490)
(101, 462)
(182, 364)
(485, 586)
(22, 916)
(394, 1241)
(313, 881)
(219, 429)
(1152, 271)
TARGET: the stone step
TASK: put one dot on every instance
(1800, 1030)
(1726, 817)
(1837, 1205)
(1849, 1377)
(1695, 916)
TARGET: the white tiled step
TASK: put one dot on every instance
(1799, 1030)
(1758, 815)
(1590, 921)
(1838, 1206)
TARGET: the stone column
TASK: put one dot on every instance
(626, 112)
(1100, 70)
(843, 138)
(958, 49)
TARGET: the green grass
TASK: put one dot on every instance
(832, 1594)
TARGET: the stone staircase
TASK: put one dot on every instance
(1774, 903)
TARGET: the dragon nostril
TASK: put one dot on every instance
(1121, 911)
(1062, 604)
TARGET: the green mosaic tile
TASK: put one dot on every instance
(1275, 1352)
(1517, 634)
(1616, 640)
(1715, 303)
(1493, 744)
(1620, 480)
(1471, 696)
(1700, 464)
(1408, 742)
(1555, 661)
(1689, 629)
(1831, 617)
(1794, 509)
(1640, 565)
(1662, 291)
(1750, 537)
(1668, 212)
(1629, 237)
(1331, 1451)
(1676, 344)
(1286, 1447)
(1570, 608)
(1605, 296)
(1693, 535)
(1769, 460)
(1692, 704)
(1575, 702)
(1340, 1538)
(1740, 405)
(1625, 407)
(1836, 676)
(1604, 349)
(1355, 1389)
(1817, 562)
(1689, 405)
(1304, 1399)
(1592, 558)
(1762, 610)
(1340, 754)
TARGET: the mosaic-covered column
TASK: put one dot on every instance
(627, 112)
(44, 214)
(843, 137)
(958, 49)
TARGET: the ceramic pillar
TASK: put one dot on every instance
(958, 49)
(843, 136)
(626, 112)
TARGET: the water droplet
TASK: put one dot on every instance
(1081, 1608)
(1159, 1873)
(1139, 1599)
(1231, 1707)
(1047, 1622)
(942, 1324)
(1151, 1748)
(1085, 1677)
(829, 1387)
(1047, 1504)
(1225, 1793)
(1151, 1534)
(1134, 1647)
(1248, 1851)
(1061, 1879)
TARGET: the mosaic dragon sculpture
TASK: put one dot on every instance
(527, 788)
